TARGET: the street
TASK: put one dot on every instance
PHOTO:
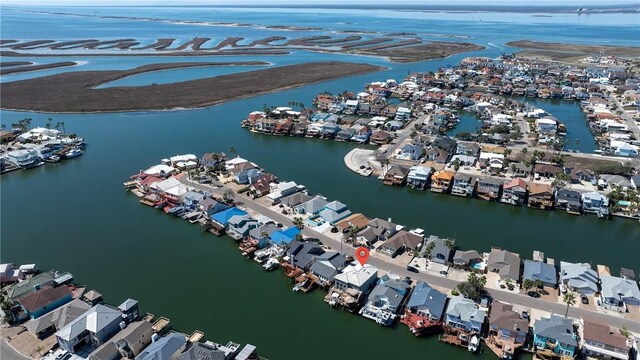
(439, 281)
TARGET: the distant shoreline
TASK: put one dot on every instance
(74, 92)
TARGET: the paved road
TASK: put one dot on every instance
(434, 280)
(631, 124)
(7, 352)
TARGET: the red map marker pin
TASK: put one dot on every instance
(362, 254)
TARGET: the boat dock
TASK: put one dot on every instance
(420, 325)
(162, 325)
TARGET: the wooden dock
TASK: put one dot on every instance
(196, 337)
(162, 325)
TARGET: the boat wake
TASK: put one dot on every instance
(495, 46)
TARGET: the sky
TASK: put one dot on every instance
(324, 2)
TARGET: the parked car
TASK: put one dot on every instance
(584, 299)
(525, 315)
(412, 269)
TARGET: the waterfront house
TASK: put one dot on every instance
(329, 130)
(357, 221)
(262, 234)
(538, 270)
(361, 134)
(222, 218)
(594, 202)
(540, 196)
(334, 212)
(569, 200)
(619, 293)
(22, 158)
(285, 236)
(380, 137)
(52, 321)
(129, 310)
(546, 170)
(438, 249)
(599, 341)
(211, 206)
(311, 207)
(345, 134)
(400, 242)
(212, 160)
(9, 274)
(385, 300)
(505, 263)
(92, 298)
(464, 314)
(168, 347)
(507, 329)
(248, 176)
(377, 230)
(302, 254)
(186, 161)
(489, 188)
(554, 335)
(395, 175)
(127, 344)
(327, 266)
(441, 181)
(31, 284)
(418, 176)
(313, 129)
(351, 106)
(94, 328)
(282, 189)
(238, 226)
(514, 191)
(208, 351)
(468, 258)
(296, 199)
(44, 299)
(579, 277)
(427, 301)
(464, 185)
(360, 278)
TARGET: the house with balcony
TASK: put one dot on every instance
(464, 314)
(385, 300)
(598, 340)
(334, 212)
(540, 196)
(44, 300)
(507, 330)
(441, 181)
(594, 202)
(327, 266)
(554, 336)
(427, 301)
(359, 278)
(238, 226)
(418, 177)
(489, 188)
(514, 192)
(464, 185)
(126, 344)
(568, 199)
(395, 175)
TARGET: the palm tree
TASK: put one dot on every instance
(264, 234)
(527, 284)
(298, 222)
(63, 128)
(353, 234)
(524, 151)
(570, 300)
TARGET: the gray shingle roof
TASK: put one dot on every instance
(579, 276)
(164, 348)
(556, 327)
(612, 286)
(426, 297)
(94, 320)
(537, 270)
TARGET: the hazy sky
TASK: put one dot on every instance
(324, 2)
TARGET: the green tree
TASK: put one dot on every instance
(228, 196)
(298, 222)
(353, 234)
(570, 300)
(527, 284)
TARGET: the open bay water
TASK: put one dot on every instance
(75, 215)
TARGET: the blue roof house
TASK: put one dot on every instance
(537, 270)
(284, 236)
(222, 218)
(334, 212)
(556, 334)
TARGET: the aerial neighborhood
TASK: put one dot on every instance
(426, 282)
(53, 318)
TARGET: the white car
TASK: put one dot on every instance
(563, 288)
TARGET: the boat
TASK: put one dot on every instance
(271, 264)
(73, 153)
(473, 344)
(54, 158)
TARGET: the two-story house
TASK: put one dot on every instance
(556, 335)
(94, 328)
(464, 314)
(507, 329)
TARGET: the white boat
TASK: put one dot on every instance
(271, 264)
(73, 153)
(473, 344)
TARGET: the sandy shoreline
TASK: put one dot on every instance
(576, 49)
(73, 92)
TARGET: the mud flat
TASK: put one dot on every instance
(19, 69)
(419, 52)
(622, 51)
(74, 92)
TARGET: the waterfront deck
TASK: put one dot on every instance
(420, 325)
(162, 325)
